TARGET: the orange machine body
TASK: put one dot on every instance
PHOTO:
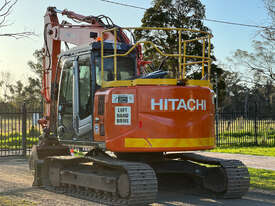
(155, 118)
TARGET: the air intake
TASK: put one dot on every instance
(101, 104)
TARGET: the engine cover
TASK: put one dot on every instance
(155, 118)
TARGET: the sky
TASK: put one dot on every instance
(27, 15)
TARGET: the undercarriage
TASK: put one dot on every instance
(133, 178)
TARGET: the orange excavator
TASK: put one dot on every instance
(133, 122)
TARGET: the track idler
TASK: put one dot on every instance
(223, 178)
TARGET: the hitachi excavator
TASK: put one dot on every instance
(135, 122)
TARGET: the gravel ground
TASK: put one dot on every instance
(16, 180)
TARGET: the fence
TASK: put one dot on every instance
(243, 129)
(19, 130)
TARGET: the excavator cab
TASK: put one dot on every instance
(80, 79)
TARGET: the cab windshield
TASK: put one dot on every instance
(125, 69)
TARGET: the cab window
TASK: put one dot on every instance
(66, 89)
(85, 82)
(125, 69)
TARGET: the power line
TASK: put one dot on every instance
(239, 24)
(122, 4)
(211, 20)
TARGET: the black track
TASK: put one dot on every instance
(141, 177)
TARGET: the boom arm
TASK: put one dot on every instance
(79, 34)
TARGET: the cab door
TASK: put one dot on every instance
(65, 129)
(83, 97)
(75, 104)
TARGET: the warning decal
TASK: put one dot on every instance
(123, 98)
(122, 115)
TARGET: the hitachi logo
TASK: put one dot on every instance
(178, 104)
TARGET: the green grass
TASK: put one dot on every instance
(10, 201)
(253, 150)
(259, 178)
(13, 140)
(262, 179)
(16, 142)
(247, 138)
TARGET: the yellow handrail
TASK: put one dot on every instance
(209, 57)
(115, 54)
(198, 62)
(203, 55)
(182, 57)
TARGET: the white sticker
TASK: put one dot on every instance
(122, 115)
(123, 98)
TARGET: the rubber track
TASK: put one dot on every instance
(142, 179)
(238, 179)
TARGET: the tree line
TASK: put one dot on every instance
(13, 94)
(254, 88)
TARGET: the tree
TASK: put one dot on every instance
(173, 13)
(1, 83)
(5, 10)
(258, 67)
(37, 67)
(5, 83)
(16, 92)
(269, 32)
(260, 62)
(256, 84)
(31, 92)
(33, 89)
(236, 93)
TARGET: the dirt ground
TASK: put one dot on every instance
(16, 189)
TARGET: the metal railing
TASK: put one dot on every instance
(183, 57)
(245, 129)
(19, 130)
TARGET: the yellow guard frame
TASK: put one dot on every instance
(182, 59)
